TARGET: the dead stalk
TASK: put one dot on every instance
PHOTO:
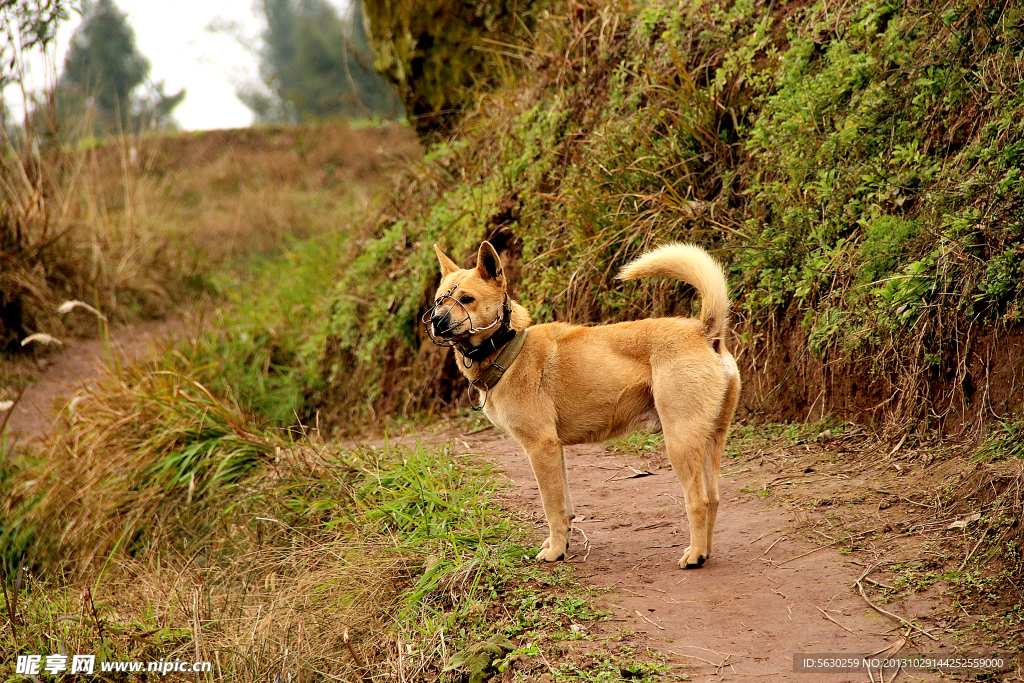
(829, 617)
(905, 622)
(355, 657)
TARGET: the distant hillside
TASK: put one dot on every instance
(133, 225)
(856, 165)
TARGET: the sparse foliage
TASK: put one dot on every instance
(26, 26)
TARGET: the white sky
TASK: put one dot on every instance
(184, 54)
(181, 51)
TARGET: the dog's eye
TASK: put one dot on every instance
(465, 299)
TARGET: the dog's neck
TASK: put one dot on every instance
(519, 320)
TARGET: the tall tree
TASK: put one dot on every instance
(315, 64)
(443, 53)
(104, 71)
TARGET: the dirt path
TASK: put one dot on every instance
(762, 597)
(76, 362)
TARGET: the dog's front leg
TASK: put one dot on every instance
(548, 463)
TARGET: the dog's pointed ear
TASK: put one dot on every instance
(488, 263)
(447, 265)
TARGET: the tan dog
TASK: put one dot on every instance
(566, 384)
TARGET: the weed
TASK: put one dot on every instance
(1005, 440)
(629, 665)
(256, 346)
(638, 443)
(576, 608)
(760, 493)
(142, 448)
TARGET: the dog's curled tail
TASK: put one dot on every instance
(693, 265)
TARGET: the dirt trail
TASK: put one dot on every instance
(77, 362)
(760, 598)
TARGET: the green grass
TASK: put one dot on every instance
(402, 547)
(630, 664)
(638, 443)
(1005, 440)
(258, 343)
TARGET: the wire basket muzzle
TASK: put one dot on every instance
(444, 319)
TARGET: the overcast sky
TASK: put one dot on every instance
(184, 54)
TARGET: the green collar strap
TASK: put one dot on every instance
(493, 373)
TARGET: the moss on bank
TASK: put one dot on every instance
(857, 168)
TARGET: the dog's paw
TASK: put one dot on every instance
(546, 554)
(692, 559)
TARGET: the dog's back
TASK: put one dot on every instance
(696, 267)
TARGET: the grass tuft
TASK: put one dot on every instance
(130, 464)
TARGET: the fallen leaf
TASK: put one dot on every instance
(962, 523)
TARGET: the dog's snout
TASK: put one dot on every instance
(445, 319)
(440, 323)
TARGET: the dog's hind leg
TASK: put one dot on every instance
(716, 444)
(548, 463)
(712, 463)
(570, 510)
(686, 452)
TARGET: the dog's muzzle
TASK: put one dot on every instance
(444, 319)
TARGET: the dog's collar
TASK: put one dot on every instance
(495, 342)
(489, 346)
(494, 372)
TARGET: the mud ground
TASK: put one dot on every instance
(766, 594)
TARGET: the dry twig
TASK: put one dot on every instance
(829, 617)
(875, 607)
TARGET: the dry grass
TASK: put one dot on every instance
(136, 457)
(163, 523)
(273, 594)
(236, 193)
(267, 594)
(61, 240)
(133, 225)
